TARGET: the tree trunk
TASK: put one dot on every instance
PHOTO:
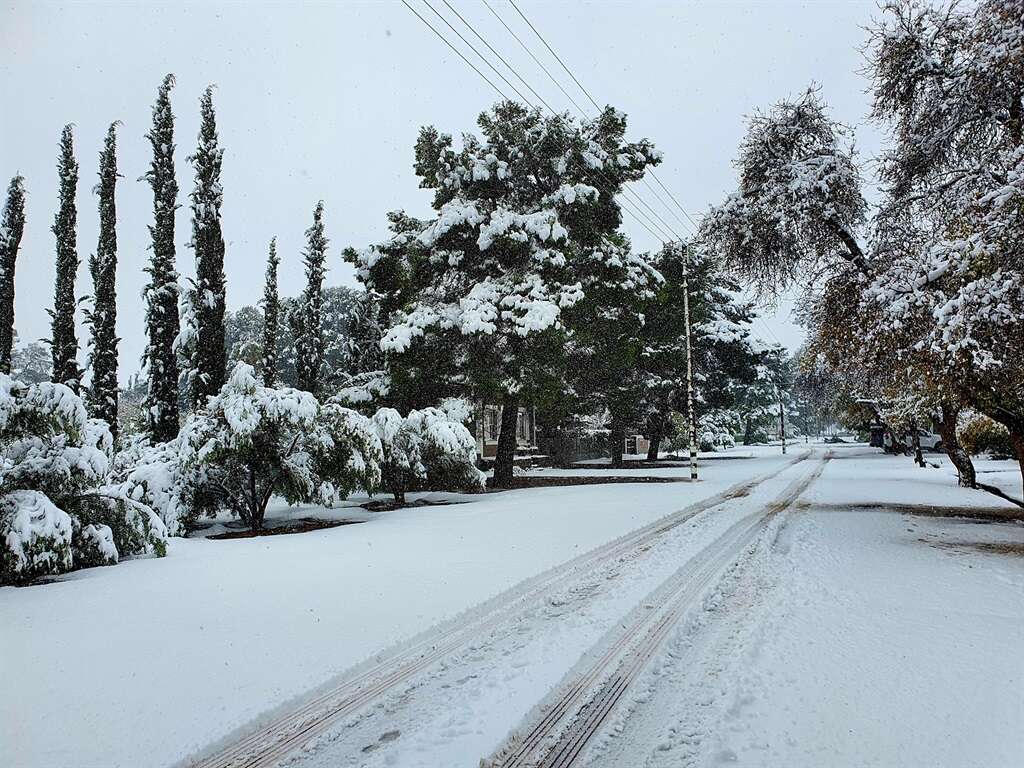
(652, 450)
(504, 461)
(960, 458)
(1017, 438)
(748, 433)
(915, 441)
(617, 439)
(1014, 425)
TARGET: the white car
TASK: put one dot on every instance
(929, 440)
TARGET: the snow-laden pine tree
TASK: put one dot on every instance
(161, 294)
(606, 348)
(723, 353)
(12, 226)
(210, 357)
(102, 319)
(522, 214)
(306, 318)
(63, 341)
(271, 318)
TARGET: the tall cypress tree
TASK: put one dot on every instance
(208, 242)
(103, 393)
(63, 341)
(306, 319)
(12, 226)
(271, 315)
(161, 294)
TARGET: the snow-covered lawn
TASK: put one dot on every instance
(862, 636)
(146, 662)
(888, 639)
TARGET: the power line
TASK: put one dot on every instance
(643, 219)
(626, 189)
(673, 197)
(536, 60)
(474, 50)
(457, 51)
(500, 57)
(559, 60)
(592, 101)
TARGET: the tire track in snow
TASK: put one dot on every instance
(569, 719)
(273, 741)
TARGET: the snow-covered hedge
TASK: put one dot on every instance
(253, 442)
(55, 511)
(429, 448)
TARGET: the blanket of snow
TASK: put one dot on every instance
(868, 637)
(889, 639)
(861, 636)
(154, 659)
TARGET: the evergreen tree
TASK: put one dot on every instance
(307, 317)
(523, 215)
(208, 242)
(271, 314)
(12, 225)
(161, 294)
(63, 341)
(103, 317)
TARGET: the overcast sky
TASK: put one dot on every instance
(324, 101)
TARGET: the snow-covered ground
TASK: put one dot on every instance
(157, 658)
(850, 633)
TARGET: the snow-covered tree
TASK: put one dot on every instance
(429, 448)
(761, 403)
(522, 215)
(606, 343)
(31, 362)
(950, 83)
(340, 305)
(721, 345)
(55, 513)
(799, 206)
(102, 318)
(252, 442)
(271, 318)
(12, 226)
(63, 341)
(307, 318)
(161, 294)
(210, 356)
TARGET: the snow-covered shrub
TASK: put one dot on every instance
(156, 476)
(36, 537)
(54, 463)
(429, 448)
(716, 430)
(252, 442)
(981, 434)
(363, 389)
(93, 544)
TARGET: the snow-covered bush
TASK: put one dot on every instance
(55, 512)
(983, 435)
(156, 476)
(252, 442)
(429, 448)
(36, 537)
(716, 430)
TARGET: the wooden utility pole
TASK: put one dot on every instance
(689, 365)
(782, 420)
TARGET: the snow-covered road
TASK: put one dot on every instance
(765, 615)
